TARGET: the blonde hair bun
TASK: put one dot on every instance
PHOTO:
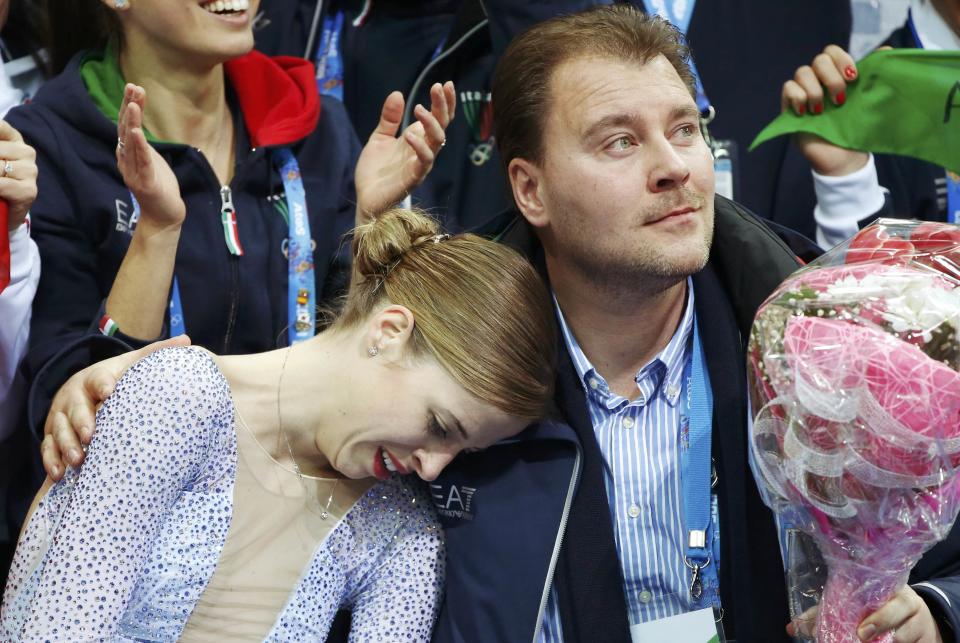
(379, 245)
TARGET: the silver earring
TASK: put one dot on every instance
(120, 4)
(373, 351)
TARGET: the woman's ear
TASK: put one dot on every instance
(389, 331)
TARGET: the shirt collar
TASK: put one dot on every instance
(667, 366)
(933, 30)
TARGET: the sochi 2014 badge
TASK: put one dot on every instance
(478, 111)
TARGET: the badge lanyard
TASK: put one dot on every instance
(330, 62)
(301, 285)
(953, 181)
(679, 13)
(702, 548)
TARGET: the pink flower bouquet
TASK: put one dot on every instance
(856, 440)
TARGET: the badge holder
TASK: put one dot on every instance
(725, 160)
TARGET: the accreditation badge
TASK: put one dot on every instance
(692, 627)
(725, 167)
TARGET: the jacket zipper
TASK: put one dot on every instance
(557, 546)
(226, 205)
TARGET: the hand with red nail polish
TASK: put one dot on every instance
(825, 78)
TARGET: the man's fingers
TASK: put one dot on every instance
(390, 116)
(9, 133)
(831, 78)
(50, 455)
(893, 614)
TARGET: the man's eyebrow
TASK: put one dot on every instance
(686, 111)
(611, 120)
(624, 119)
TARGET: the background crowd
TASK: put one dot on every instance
(163, 199)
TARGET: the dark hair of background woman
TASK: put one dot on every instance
(76, 25)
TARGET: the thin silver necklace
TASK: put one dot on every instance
(312, 502)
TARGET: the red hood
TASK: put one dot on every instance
(278, 97)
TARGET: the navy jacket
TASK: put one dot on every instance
(81, 218)
(395, 49)
(534, 509)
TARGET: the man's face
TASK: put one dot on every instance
(626, 181)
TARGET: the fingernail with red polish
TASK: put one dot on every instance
(818, 108)
(841, 98)
(850, 72)
(802, 110)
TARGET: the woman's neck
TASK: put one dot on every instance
(185, 103)
(288, 395)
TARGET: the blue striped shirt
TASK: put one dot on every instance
(640, 443)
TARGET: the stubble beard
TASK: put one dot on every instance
(644, 269)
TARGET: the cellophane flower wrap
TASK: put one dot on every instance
(856, 437)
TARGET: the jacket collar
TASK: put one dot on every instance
(278, 97)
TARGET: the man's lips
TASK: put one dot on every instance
(675, 213)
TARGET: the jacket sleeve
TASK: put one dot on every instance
(399, 598)
(71, 291)
(15, 306)
(942, 596)
(155, 438)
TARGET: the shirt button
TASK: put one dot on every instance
(633, 511)
(628, 423)
(672, 391)
(645, 596)
(594, 383)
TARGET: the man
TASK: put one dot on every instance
(598, 127)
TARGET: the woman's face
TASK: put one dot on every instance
(199, 31)
(410, 418)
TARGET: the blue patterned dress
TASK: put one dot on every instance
(123, 549)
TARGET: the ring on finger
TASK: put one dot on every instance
(120, 144)
(7, 169)
(443, 142)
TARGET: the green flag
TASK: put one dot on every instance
(906, 101)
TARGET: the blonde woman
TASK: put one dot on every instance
(250, 497)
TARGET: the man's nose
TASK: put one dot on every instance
(670, 170)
